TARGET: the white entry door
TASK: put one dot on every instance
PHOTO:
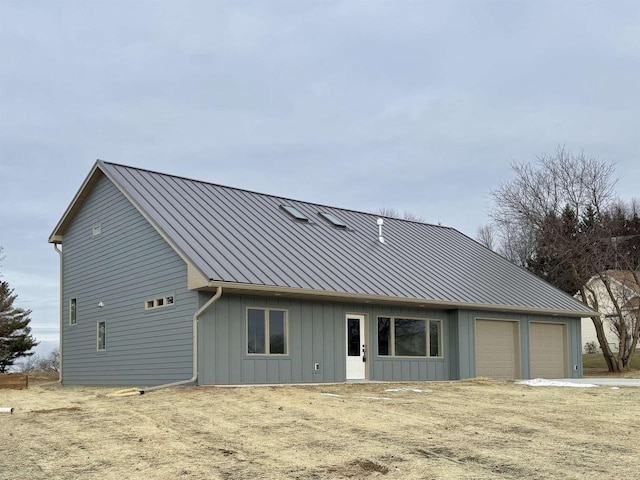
(356, 348)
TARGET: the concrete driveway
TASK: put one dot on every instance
(608, 382)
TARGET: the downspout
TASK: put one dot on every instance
(55, 247)
(196, 315)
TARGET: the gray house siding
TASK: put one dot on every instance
(316, 335)
(465, 320)
(122, 267)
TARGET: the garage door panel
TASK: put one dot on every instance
(548, 350)
(497, 349)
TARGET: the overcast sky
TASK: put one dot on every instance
(420, 106)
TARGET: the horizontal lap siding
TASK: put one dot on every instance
(128, 263)
(316, 335)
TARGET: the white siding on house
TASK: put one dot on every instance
(606, 307)
(589, 335)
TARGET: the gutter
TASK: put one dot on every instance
(194, 378)
(55, 247)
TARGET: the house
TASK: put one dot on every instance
(626, 292)
(166, 279)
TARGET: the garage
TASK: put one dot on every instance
(548, 347)
(497, 349)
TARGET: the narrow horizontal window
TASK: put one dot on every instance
(267, 331)
(333, 220)
(409, 337)
(159, 302)
(295, 213)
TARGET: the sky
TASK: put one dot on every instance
(418, 106)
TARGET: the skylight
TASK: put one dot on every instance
(332, 218)
(294, 212)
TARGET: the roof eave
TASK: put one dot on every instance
(244, 288)
(76, 203)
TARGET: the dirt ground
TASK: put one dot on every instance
(476, 429)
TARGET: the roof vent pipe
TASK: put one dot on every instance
(380, 222)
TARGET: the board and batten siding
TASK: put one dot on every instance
(122, 267)
(317, 334)
(465, 323)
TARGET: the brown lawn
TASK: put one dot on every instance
(477, 429)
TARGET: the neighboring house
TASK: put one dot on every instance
(166, 279)
(627, 294)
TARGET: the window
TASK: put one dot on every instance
(409, 337)
(101, 336)
(96, 230)
(294, 212)
(73, 311)
(333, 220)
(266, 331)
(158, 302)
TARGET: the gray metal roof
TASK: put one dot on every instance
(243, 237)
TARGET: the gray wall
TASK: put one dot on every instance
(126, 264)
(466, 347)
(316, 335)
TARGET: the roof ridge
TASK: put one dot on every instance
(181, 177)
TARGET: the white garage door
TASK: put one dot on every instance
(548, 350)
(497, 349)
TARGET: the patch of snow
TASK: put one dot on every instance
(377, 398)
(542, 382)
(615, 388)
(331, 394)
(415, 390)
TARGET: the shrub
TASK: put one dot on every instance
(591, 347)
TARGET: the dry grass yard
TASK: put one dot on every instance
(477, 429)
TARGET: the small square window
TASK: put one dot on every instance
(168, 300)
(159, 302)
(267, 331)
(149, 304)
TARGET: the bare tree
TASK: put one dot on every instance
(559, 218)
(393, 213)
(486, 236)
(36, 363)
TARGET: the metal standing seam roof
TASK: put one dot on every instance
(237, 236)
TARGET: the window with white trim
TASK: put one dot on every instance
(267, 331)
(73, 311)
(159, 302)
(409, 337)
(101, 336)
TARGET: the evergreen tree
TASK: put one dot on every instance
(15, 334)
